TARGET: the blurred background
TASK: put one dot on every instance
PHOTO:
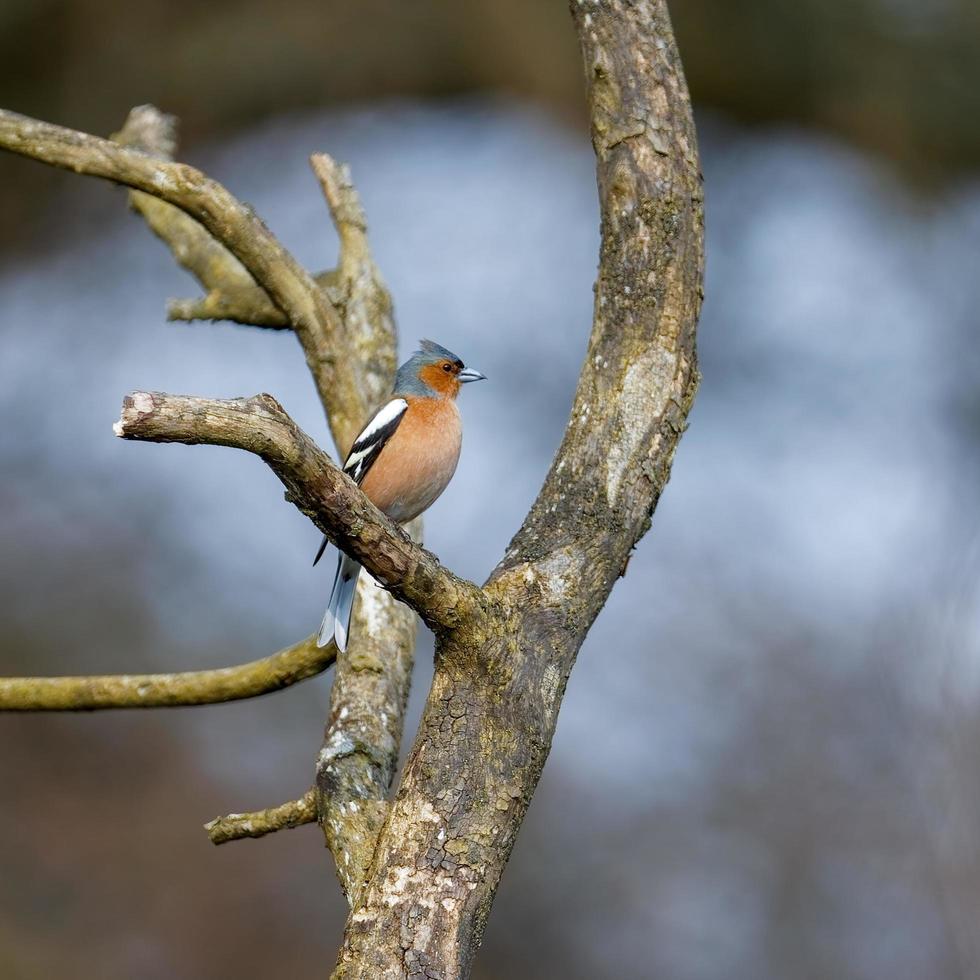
(768, 762)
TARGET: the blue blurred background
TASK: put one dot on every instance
(768, 761)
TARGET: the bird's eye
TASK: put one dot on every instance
(447, 367)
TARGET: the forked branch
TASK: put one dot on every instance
(316, 322)
(230, 291)
(490, 716)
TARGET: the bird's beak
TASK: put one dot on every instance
(469, 374)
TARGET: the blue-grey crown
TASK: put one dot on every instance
(431, 353)
(407, 379)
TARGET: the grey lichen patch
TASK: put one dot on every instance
(558, 576)
(551, 685)
(337, 745)
(645, 391)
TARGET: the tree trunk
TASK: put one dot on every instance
(500, 676)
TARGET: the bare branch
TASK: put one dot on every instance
(231, 293)
(154, 133)
(237, 826)
(345, 209)
(288, 666)
(361, 742)
(357, 762)
(333, 364)
(247, 305)
(315, 485)
(358, 290)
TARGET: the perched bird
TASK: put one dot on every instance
(402, 460)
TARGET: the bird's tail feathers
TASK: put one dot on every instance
(336, 620)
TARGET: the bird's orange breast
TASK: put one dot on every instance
(418, 460)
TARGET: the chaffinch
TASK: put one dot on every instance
(403, 459)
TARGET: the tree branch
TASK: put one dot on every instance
(640, 374)
(333, 364)
(248, 305)
(236, 826)
(361, 741)
(282, 669)
(152, 132)
(356, 287)
(357, 761)
(231, 292)
(315, 485)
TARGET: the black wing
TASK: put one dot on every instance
(373, 438)
(368, 445)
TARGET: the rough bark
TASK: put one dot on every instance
(490, 716)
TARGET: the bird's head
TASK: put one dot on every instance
(433, 372)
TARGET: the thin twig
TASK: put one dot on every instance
(248, 305)
(237, 826)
